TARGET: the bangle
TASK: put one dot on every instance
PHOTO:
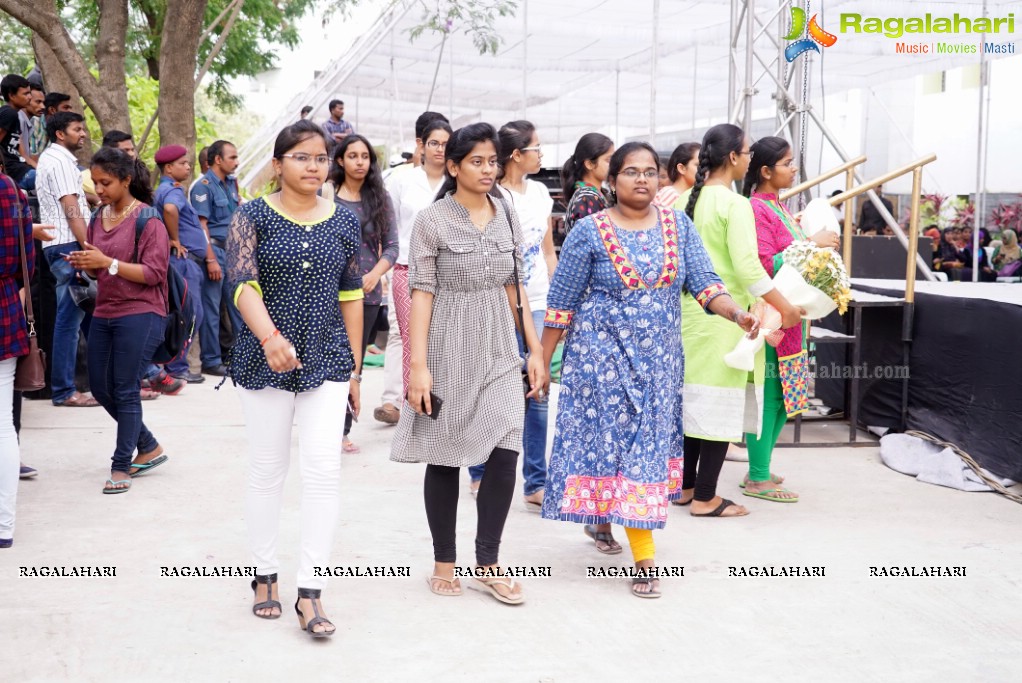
(735, 312)
(356, 377)
(268, 337)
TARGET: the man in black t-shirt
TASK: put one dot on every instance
(870, 220)
(17, 92)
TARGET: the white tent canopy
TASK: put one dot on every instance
(572, 67)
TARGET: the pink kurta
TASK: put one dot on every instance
(776, 229)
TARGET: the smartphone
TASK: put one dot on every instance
(435, 403)
(351, 410)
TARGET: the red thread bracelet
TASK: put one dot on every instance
(270, 336)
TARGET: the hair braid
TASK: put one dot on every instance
(701, 175)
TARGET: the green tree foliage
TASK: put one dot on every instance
(16, 55)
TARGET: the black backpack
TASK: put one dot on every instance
(180, 321)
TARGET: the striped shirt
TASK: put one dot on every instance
(57, 175)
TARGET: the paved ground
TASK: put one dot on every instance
(846, 626)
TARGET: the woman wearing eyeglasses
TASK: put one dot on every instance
(411, 192)
(519, 155)
(771, 170)
(617, 446)
(722, 403)
(292, 256)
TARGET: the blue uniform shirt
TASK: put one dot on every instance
(215, 200)
(189, 231)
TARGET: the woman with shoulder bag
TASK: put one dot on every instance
(128, 322)
(462, 275)
(16, 249)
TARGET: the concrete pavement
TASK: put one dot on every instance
(141, 626)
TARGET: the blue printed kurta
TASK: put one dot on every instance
(617, 453)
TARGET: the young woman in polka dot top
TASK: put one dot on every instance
(290, 256)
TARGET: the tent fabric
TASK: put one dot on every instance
(572, 67)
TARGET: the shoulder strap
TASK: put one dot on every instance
(140, 222)
(514, 265)
(19, 220)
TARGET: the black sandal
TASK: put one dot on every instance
(312, 594)
(270, 580)
(602, 537)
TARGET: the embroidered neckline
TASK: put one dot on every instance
(782, 213)
(626, 270)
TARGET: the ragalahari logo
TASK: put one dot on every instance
(816, 35)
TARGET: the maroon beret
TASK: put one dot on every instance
(169, 153)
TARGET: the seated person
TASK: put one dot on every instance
(986, 272)
(1008, 256)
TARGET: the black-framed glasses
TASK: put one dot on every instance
(436, 144)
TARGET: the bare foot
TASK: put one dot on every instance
(261, 596)
(776, 491)
(699, 507)
(646, 588)
(305, 605)
(143, 458)
(121, 480)
(686, 497)
(444, 581)
(535, 498)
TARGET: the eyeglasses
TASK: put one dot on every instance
(750, 153)
(791, 164)
(537, 148)
(303, 158)
(634, 173)
(436, 144)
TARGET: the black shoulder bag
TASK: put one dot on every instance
(518, 295)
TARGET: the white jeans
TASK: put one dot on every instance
(269, 414)
(392, 361)
(10, 459)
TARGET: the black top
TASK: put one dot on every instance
(300, 268)
(10, 127)
(870, 218)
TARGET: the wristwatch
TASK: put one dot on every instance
(112, 268)
(357, 378)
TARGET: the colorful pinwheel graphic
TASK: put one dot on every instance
(816, 35)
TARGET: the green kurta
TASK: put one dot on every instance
(721, 403)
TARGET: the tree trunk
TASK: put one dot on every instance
(56, 80)
(41, 16)
(110, 57)
(182, 26)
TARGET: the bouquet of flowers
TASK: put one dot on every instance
(813, 278)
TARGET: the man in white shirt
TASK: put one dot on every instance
(410, 191)
(62, 203)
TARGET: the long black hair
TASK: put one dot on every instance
(681, 155)
(590, 147)
(374, 196)
(118, 164)
(766, 152)
(461, 144)
(718, 143)
(513, 136)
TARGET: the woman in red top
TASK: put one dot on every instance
(13, 341)
(128, 322)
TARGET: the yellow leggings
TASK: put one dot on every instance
(641, 543)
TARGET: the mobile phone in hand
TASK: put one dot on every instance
(435, 403)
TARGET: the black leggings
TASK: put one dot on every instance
(703, 460)
(496, 490)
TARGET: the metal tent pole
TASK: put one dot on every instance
(653, 72)
(981, 155)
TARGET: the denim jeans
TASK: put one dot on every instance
(119, 349)
(534, 435)
(27, 181)
(66, 325)
(212, 294)
(193, 274)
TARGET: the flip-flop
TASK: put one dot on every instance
(350, 447)
(431, 579)
(724, 505)
(602, 537)
(486, 586)
(774, 479)
(648, 580)
(765, 495)
(123, 489)
(145, 467)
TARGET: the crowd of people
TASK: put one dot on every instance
(663, 269)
